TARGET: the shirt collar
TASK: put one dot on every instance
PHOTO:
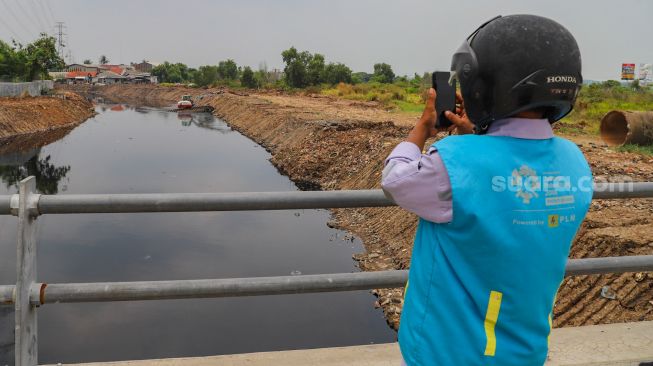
(523, 128)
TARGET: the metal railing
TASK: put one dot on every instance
(28, 294)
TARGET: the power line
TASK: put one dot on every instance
(37, 15)
(29, 33)
(16, 37)
(27, 16)
(48, 16)
(54, 19)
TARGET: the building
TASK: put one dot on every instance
(116, 69)
(145, 66)
(80, 77)
(57, 75)
(109, 77)
(83, 67)
(137, 77)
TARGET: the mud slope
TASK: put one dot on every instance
(333, 144)
(31, 122)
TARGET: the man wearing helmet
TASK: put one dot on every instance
(499, 203)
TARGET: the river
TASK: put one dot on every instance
(143, 150)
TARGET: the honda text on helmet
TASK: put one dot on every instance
(517, 63)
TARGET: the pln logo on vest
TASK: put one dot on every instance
(525, 183)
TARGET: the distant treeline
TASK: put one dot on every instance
(302, 69)
(29, 62)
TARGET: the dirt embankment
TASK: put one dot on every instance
(336, 144)
(36, 121)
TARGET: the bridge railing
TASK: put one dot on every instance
(28, 293)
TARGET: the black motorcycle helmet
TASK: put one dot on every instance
(516, 63)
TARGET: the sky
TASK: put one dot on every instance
(411, 35)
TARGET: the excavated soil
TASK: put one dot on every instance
(325, 143)
(31, 122)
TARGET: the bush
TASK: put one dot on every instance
(383, 73)
(228, 70)
(206, 75)
(247, 79)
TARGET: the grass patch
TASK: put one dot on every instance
(596, 100)
(409, 107)
(593, 102)
(400, 96)
(637, 149)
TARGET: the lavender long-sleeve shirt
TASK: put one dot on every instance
(419, 183)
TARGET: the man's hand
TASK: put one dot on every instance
(425, 127)
(430, 115)
(461, 123)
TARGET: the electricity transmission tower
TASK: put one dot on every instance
(59, 29)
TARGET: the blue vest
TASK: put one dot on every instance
(481, 288)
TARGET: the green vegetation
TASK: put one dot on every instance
(596, 100)
(204, 76)
(383, 73)
(226, 73)
(174, 73)
(29, 62)
(644, 150)
(310, 73)
(304, 69)
(402, 95)
(247, 79)
(228, 70)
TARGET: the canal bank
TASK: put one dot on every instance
(328, 143)
(30, 122)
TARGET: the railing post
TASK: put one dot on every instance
(26, 351)
(7, 342)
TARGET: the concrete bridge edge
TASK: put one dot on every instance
(622, 344)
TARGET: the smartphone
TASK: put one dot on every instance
(446, 97)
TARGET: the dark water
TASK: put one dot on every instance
(125, 150)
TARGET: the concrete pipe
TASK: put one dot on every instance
(622, 127)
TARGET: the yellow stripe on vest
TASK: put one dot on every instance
(548, 338)
(493, 307)
(406, 289)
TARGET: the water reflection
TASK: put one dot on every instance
(202, 120)
(47, 174)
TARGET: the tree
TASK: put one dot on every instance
(337, 73)
(383, 73)
(206, 75)
(608, 84)
(228, 70)
(183, 71)
(360, 77)
(173, 73)
(8, 62)
(315, 70)
(103, 60)
(39, 57)
(247, 79)
(296, 74)
(87, 62)
(635, 84)
(31, 62)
